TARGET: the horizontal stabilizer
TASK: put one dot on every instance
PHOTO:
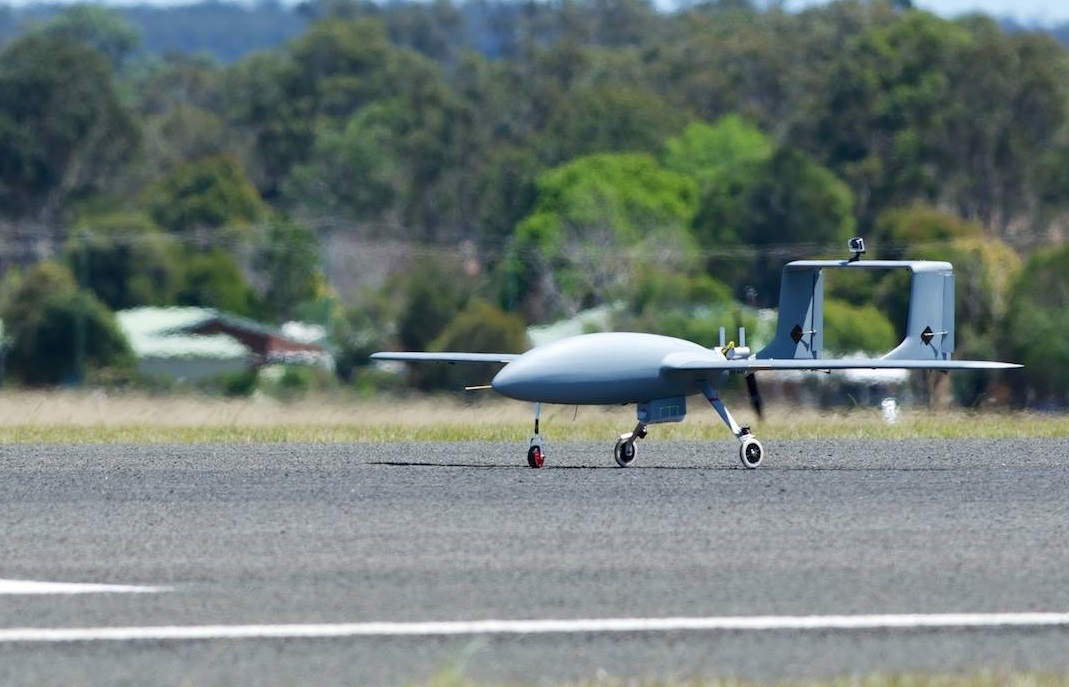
(687, 362)
(445, 357)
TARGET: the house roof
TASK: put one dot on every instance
(160, 333)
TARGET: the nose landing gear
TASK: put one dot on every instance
(536, 454)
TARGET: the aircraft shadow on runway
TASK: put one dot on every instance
(485, 466)
(797, 468)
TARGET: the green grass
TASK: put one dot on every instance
(27, 417)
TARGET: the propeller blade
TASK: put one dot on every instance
(755, 395)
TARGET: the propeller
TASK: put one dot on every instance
(755, 395)
(751, 380)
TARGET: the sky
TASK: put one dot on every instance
(1026, 12)
(1029, 12)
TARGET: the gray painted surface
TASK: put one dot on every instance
(330, 533)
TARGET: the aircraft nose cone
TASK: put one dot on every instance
(512, 381)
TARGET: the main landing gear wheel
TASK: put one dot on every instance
(535, 457)
(625, 452)
(751, 452)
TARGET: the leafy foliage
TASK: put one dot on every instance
(125, 261)
(784, 201)
(210, 194)
(589, 211)
(57, 333)
(213, 279)
(64, 129)
(850, 329)
(711, 154)
(673, 303)
(1037, 320)
(584, 154)
(96, 27)
(288, 261)
(436, 292)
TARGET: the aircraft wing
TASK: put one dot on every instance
(502, 358)
(686, 362)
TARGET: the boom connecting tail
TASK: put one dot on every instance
(929, 333)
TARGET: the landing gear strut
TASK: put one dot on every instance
(750, 450)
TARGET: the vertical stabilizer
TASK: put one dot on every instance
(800, 326)
(930, 324)
(930, 320)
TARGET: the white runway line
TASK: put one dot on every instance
(529, 627)
(13, 587)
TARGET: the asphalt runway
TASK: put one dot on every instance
(274, 538)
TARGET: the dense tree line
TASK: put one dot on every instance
(534, 160)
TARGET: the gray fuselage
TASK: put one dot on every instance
(598, 369)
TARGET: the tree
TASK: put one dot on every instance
(435, 293)
(351, 173)
(96, 27)
(182, 135)
(882, 122)
(268, 100)
(1033, 332)
(64, 130)
(725, 57)
(759, 214)
(901, 231)
(1004, 122)
(597, 220)
(56, 333)
(850, 329)
(125, 260)
(681, 304)
(180, 99)
(213, 279)
(327, 74)
(710, 153)
(287, 259)
(433, 30)
(204, 197)
(985, 271)
(608, 118)
(392, 165)
(341, 65)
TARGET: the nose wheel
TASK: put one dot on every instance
(536, 458)
(536, 453)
